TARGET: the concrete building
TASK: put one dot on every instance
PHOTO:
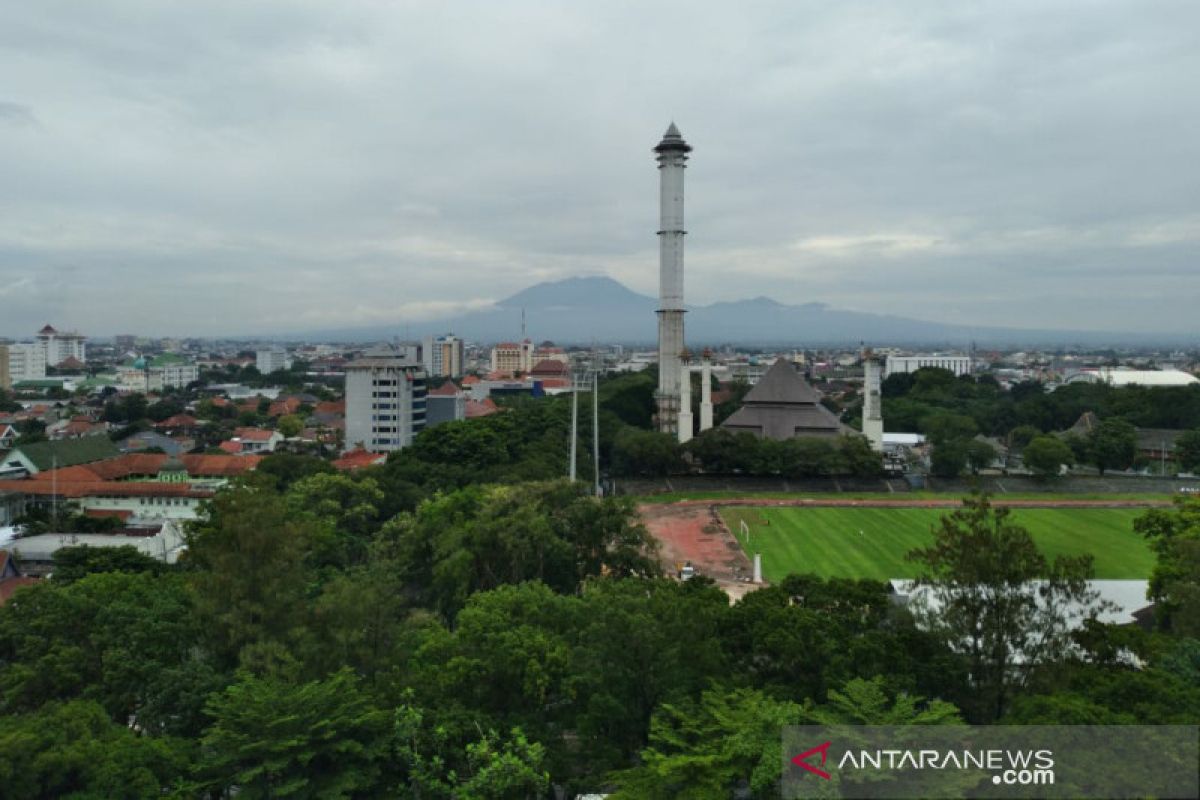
(513, 357)
(385, 403)
(59, 346)
(273, 359)
(672, 155)
(5, 376)
(36, 553)
(959, 365)
(872, 412)
(163, 372)
(25, 362)
(447, 403)
(442, 356)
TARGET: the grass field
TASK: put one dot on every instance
(872, 542)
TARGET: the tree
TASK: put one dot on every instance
(1175, 582)
(489, 768)
(948, 459)
(290, 425)
(980, 455)
(74, 750)
(1113, 445)
(1187, 450)
(646, 453)
(995, 599)
(1045, 456)
(249, 573)
(271, 738)
(73, 563)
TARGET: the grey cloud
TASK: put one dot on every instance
(1021, 162)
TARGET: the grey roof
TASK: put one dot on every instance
(782, 405)
(673, 140)
(782, 384)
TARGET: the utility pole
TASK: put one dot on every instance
(596, 429)
(574, 422)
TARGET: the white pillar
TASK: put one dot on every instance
(758, 567)
(706, 411)
(672, 160)
(685, 404)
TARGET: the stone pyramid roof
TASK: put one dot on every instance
(783, 405)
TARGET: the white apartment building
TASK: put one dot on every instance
(442, 356)
(959, 365)
(274, 359)
(59, 346)
(155, 379)
(25, 362)
(385, 403)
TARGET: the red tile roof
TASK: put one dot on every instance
(485, 408)
(231, 446)
(253, 434)
(470, 380)
(358, 459)
(8, 587)
(105, 489)
(550, 367)
(447, 389)
(178, 421)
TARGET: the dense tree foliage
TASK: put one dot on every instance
(414, 631)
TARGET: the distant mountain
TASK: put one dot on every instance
(582, 310)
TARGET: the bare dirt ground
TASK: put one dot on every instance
(695, 532)
(692, 530)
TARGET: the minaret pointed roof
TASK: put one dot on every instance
(673, 140)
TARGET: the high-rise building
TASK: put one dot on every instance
(513, 357)
(443, 356)
(672, 161)
(59, 346)
(26, 362)
(5, 377)
(385, 403)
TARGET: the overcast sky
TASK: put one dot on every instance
(225, 167)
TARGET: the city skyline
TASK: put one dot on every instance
(271, 168)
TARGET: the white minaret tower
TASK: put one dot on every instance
(872, 413)
(672, 161)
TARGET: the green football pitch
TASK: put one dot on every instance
(873, 542)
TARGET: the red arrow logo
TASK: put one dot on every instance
(800, 761)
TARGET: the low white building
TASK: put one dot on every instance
(1130, 377)
(959, 365)
(36, 553)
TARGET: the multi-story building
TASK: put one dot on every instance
(385, 403)
(959, 365)
(274, 359)
(60, 346)
(124, 342)
(164, 372)
(5, 377)
(26, 362)
(513, 357)
(443, 356)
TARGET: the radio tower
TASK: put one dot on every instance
(672, 161)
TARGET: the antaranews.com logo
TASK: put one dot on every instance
(995, 761)
(1019, 767)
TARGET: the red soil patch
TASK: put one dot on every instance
(696, 533)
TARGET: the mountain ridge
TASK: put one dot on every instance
(582, 310)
